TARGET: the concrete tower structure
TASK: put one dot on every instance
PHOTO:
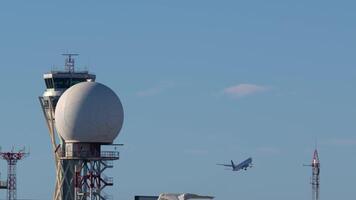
(57, 82)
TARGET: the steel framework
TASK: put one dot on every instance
(90, 180)
(12, 158)
(315, 179)
(89, 163)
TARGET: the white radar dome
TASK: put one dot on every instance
(89, 112)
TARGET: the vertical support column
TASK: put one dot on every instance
(48, 108)
(315, 179)
(11, 179)
(315, 176)
(316, 182)
(12, 158)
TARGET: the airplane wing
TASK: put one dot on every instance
(224, 165)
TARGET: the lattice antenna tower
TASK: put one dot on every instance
(12, 158)
(315, 179)
(69, 61)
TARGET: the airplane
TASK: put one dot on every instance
(243, 165)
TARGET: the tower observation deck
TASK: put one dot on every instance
(58, 81)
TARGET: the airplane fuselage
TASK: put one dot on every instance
(243, 165)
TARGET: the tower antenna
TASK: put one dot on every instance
(69, 61)
(315, 180)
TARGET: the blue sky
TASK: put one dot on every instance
(201, 82)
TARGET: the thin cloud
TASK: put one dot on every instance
(155, 90)
(245, 89)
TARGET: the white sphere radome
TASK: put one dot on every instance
(89, 112)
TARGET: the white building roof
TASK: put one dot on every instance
(183, 196)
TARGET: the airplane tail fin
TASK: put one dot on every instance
(232, 163)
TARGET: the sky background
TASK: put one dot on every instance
(202, 82)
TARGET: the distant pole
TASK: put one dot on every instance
(315, 180)
(12, 158)
(316, 175)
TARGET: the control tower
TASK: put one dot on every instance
(57, 82)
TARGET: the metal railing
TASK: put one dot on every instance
(110, 154)
(89, 154)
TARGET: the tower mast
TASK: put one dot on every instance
(12, 158)
(315, 179)
(69, 61)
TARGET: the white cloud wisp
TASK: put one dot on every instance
(243, 90)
